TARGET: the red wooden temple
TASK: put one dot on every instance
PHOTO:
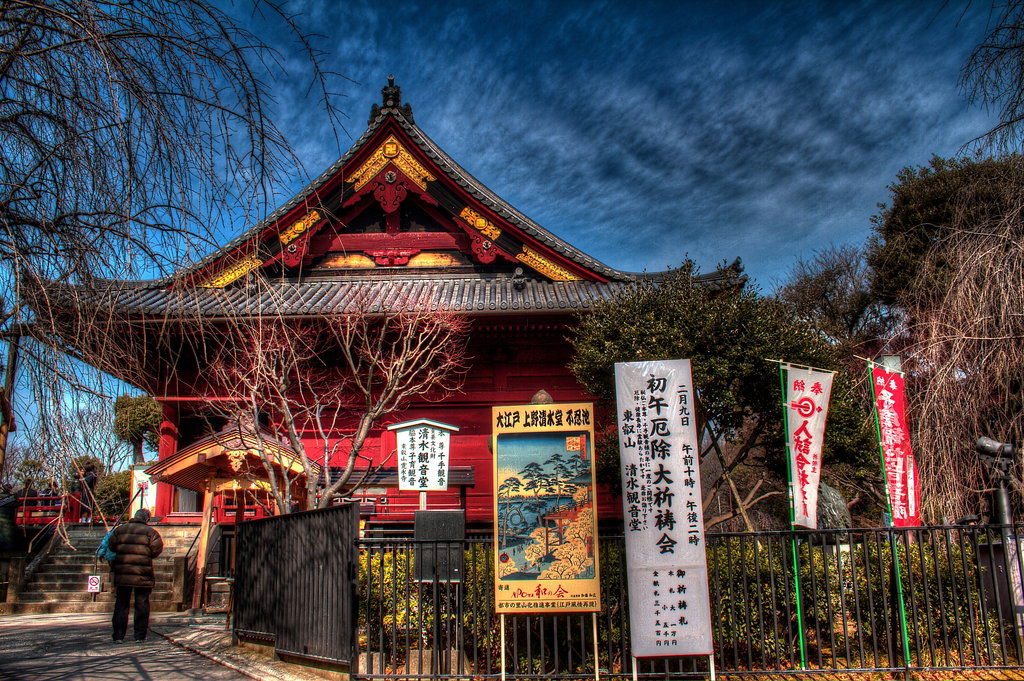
(395, 218)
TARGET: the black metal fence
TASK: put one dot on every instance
(295, 583)
(872, 600)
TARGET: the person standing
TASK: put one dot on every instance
(88, 480)
(135, 545)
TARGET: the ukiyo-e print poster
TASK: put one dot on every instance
(545, 521)
(666, 552)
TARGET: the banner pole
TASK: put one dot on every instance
(634, 667)
(892, 537)
(792, 523)
(711, 665)
(597, 665)
(501, 617)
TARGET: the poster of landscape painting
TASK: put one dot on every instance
(545, 521)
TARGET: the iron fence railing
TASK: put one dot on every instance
(899, 600)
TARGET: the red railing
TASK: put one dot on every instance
(45, 509)
(225, 508)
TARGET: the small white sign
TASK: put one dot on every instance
(423, 447)
(94, 584)
(666, 559)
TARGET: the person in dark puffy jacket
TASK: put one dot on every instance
(135, 544)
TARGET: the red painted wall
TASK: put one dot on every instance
(510, 361)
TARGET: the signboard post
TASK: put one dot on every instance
(666, 555)
(423, 447)
(545, 522)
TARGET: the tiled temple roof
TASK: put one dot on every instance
(375, 295)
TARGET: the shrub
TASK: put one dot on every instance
(113, 492)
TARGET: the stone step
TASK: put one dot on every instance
(82, 596)
(77, 607)
(58, 571)
(76, 584)
(93, 542)
(91, 559)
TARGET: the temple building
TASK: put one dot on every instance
(393, 220)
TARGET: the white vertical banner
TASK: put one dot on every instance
(666, 559)
(807, 393)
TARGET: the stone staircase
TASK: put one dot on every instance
(59, 584)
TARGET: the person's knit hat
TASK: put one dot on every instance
(143, 514)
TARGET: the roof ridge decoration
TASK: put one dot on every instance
(495, 227)
(390, 151)
(392, 98)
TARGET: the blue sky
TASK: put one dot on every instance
(646, 132)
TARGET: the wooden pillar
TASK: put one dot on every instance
(239, 519)
(204, 543)
(168, 446)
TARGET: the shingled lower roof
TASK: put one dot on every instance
(375, 295)
(338, 297)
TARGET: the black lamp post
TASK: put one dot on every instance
(998, 458)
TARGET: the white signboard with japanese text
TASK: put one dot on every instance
(807, 396)
(93, 584)
(423, 448)
(666, 557)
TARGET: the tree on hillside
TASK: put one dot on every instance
(30, 473)
(967, 359)
(832, 293)
(729, 337)
(129, 129)
(340, 372)
(947, 253)
(927, 205)
(137, 421)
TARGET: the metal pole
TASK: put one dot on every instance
(792, 523)
(711, 665)
(597, 665)
(501, 617)
(634, 667)
(1002, 504)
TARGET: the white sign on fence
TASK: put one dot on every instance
(423, 447)
(666, 559)
(94, 584)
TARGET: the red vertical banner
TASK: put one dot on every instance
(902, 486)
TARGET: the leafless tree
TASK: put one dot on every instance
(832, 292)
(968, 360)
(994, 73)
(131, 130)
(338, 374)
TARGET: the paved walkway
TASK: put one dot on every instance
(78, 647)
